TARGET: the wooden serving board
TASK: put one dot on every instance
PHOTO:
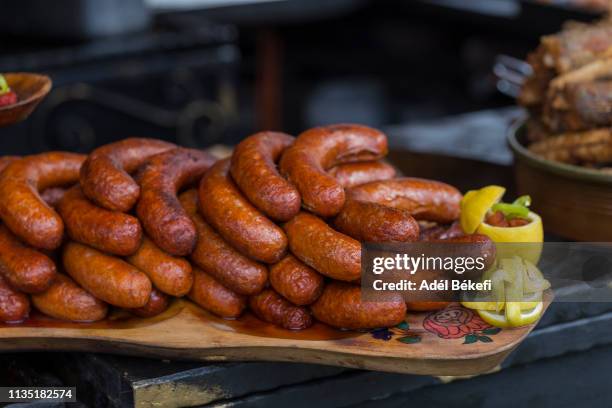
(453, 341)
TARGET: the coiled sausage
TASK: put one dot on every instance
(423, 199)
(110, 231)
(21, 207)
(241, 224)
(272, 308)
(315, 151)
(159, 209)
(218, 258)
(157, 304)
(211, 295)
(24, 268)
(296, 281)
(105, 176)
(66, 300)
(371, 222)
(353, 174)
(341, 306)
(319, 246)
(107, 277)
(14, 305)
(169, 274)
(253, 168)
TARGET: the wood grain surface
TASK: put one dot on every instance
(453, 341)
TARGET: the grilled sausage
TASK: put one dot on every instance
(52, 196)
(241, 224)
(253, 167)
(107, 277)
(341, 306)
(157, 304)
(211, 295)
(14, 305)
(6, 160)
(319, 246)
(218, 258)
(105, 175)
(424, 199)
(66, 300)
(476, 245)
(22, 209)
(24, 268)
(110, 231)
(442, 232)
(319, 149)
(296, 281)
(272, 308)
(159, 209)
(169, 274)
(371, 222)
(353, 174)
(473, 246)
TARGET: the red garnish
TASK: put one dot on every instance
(518, 222)
(9, 98)
(498, 219)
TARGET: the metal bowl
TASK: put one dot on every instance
(574, 202)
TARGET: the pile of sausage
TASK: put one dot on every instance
(275, 228)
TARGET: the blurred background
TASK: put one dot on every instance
(438, 76)
(205, 72)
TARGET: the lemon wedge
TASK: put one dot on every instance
(513, 316)
(475, 205)
(529, 301)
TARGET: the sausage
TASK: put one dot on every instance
(159, 209)
(52, 196)
(105, 175)
(21, 207)
(479, 246)
(218, 258)
(424, 199)
(6, 160)
(157, 304)
(319, 149)
(272, 308)
(442, 232)
(169, 274)
(24, 268)
(66, 300)
(476, 245)
(296, 281)
(110, 231)
(106, 277)
(14, 305)
(211, 295)
(341, 306)
(254, 171)
(241, 224)
(353, 174)
(371, 222)
(319, 246)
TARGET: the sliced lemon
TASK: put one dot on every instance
(530, 301)
(522, 318)
(475, 205)
(525, 241)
